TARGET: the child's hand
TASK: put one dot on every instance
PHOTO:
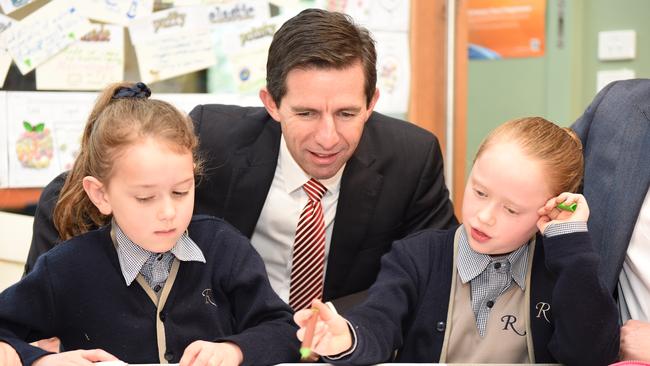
(76, 358)
(8, 355)
(51, 344)
(331, 336)
(549, 213)
(203, 353)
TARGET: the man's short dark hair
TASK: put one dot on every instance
(319, 39)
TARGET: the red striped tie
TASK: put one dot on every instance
(309, 250)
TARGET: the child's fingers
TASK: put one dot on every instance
(97, 355)
(301, 317)
(190, 353)
(323, 346)
(324, 311)
(321, 330)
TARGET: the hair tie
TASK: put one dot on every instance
(138, 90)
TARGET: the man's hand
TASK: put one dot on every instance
(8, 355)
(202, 353)
(80, 357)
(635, 341)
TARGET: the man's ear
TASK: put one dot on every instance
(97, 194)
(269, 104)
(373, 102)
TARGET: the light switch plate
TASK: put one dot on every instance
(616, 45)
(605, 77)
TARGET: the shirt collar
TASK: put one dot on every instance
(294, 177)
(471, 264)
(132, 257)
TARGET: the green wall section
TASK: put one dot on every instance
(607, 15)
(560, 85)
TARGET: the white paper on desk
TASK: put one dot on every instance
(4, 158)
(172, 42)
(91, 63)
(10, 5)
(5, 58)
(120, 363)
(44, 33)
(35, 158)
(120, 12)
(393, 72)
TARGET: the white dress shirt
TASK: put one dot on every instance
(276, 228)
(634, 280)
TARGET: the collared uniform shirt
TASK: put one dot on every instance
(154, 267)
(276, 227)
(489, 277)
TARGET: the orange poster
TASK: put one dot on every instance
(506, 28)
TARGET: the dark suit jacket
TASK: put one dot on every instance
(393, 185)
(615, 132)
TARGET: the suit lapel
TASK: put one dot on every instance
(252, 175)
(360, 187)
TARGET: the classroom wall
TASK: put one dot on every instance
(560, 85)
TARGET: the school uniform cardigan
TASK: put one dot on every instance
(407, 307)
(77, 292)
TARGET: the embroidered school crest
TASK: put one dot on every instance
(208, 297)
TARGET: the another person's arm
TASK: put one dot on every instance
(44, 234)
(20, 324)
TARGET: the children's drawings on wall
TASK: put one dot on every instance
(231, 22)
(246, 51)
(40, 132)
(172, 42)
(44, 33)
(43, 134)
(9, 6)
(4, 158)
(120, 12)
(376, 15)
(5, 58)
(393, 72)
(91, 63)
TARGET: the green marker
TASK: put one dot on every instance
(565, 207)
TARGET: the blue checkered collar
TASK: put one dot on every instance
(470, 264)
(132, 257)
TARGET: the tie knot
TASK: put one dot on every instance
(314, 189)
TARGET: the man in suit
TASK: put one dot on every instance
(382, 177)
(615, 132)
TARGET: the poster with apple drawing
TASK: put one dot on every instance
(44, 131)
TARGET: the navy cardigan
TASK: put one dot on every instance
(77, 292)
(407, 307)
